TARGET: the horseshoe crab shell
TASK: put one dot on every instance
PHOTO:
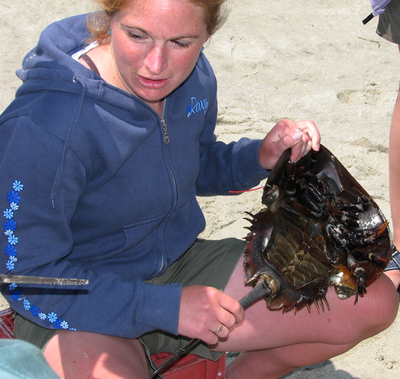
(320, 228)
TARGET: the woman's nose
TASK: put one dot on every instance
(155, 60)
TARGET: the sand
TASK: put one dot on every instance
(275, 59)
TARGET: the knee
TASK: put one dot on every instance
(373, 313)
(383, 305)
(391, 300)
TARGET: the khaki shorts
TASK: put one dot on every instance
(389, 22)
(208, 263)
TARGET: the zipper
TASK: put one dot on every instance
(164, 126)
(165, 129)
(168, 163)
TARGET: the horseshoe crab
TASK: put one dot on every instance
(320, 228)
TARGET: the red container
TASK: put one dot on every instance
(6, 323)
(192, 367)
(189, 367)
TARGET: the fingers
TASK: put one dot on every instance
(208, 314)
(305, 138)
(301, 148)
(229, 314)
(232, 312)
(221, 331)
(300, 137)
(309, 128)
(305, 131)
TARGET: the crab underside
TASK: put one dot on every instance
(320, 228)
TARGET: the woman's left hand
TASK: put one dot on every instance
(300, 136)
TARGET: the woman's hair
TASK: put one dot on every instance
(99, 23)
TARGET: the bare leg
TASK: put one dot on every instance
(281, 361)
(394, 276)
(80, 355)
(279, 343)
(394, 182)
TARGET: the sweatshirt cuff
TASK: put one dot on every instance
(247, 162)
(159, 307)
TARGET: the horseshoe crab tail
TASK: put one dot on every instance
(260, 290)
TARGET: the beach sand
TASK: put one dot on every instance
(273, 60)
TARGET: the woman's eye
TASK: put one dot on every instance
(136, 37)
(181, 44)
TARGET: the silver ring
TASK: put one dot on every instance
(299, 130)
(219, 329)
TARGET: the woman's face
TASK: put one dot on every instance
(155, 46)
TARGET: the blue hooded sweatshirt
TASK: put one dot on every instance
(91, 188)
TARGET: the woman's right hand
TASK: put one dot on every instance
(202, 312)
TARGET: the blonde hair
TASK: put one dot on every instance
(98, 23)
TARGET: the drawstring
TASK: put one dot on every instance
(67, 143)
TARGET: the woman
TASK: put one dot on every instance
(389, 29)
(102, 155)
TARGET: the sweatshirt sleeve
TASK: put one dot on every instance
(37, 241)
(227, 167)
